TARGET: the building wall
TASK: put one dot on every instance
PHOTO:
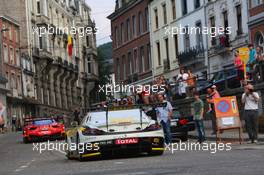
(215, 9)
(256, 23)
(132, 43)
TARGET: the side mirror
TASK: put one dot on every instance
(74, 124)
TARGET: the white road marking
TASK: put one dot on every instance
(22, 167)
(119, 163)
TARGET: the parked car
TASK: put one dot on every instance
(222, 80)
(181, 125)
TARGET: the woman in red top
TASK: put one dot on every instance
(239, 66)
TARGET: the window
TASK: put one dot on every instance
(187, 40)
(255, 3)
(197, 4)
(176, 44)
(38, 7)
(184, 7)
(156, 18)
(167, 53)
(173, 6)
(134, 29)
(225, 16)
(118, 69)
(199, 36)
(116, 37)
(124, 67)
(40, 42)
(17, 58)
(212, 24)
(6, 54)
(17, 37)
(89, 65)
(135, 60)
(130, 63)
(122, 33)
(12, 61)
(239, 20)
(87, 40)
(164, 14)
(142, 60)
(146, 19)
(159, 54)
(140, 23)
(148, 64)
(128, 29)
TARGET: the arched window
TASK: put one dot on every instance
(259, 40)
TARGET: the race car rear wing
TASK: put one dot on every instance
(108, 108)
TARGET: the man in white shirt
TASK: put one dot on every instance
(250, 99)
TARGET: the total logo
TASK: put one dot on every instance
(126, 141)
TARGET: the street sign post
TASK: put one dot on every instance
(227, 116)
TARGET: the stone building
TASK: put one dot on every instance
(59, 65)
(171, 48)
(232, 14)
(12, 69)
(131, 42)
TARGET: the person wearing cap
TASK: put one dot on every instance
(250, 99)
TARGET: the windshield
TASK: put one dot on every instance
(116, 117)
(42, 122)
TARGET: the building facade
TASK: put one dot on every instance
(232, 14)
(131, 42)
(256, 22)
(12, 68)
(59, 66)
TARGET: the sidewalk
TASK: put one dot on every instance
(225, 136)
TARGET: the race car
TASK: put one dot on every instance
(38, 129)
(113, 132)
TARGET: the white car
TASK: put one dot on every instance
(114, 132)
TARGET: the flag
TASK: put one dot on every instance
(70, 44)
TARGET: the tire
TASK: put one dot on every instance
(25, 140)
(68, 153)
(156, 153)
(80, 158)
(184, 137)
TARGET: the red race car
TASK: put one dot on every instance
(37, 129)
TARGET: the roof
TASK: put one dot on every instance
(11, 20)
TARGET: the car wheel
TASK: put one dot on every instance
(156, 153)
(25, 140)
(80, 158)
(184, 137)
(68, 152)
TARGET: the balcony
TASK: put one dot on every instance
(91, 50)
(41, 19)
(89, 77)
(191, 56)
(221, 44)
(35, 52)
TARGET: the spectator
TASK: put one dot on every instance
(211, 95)
(77, 116)
(198, 112)
(165, 114)
(191, 81)
(259, 61)
(130, 101)
(181, 79)
(2, 124)
(250, 99)
(251, 60)
(240, 67)
(14, 122)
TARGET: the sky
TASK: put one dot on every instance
(100, 10)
